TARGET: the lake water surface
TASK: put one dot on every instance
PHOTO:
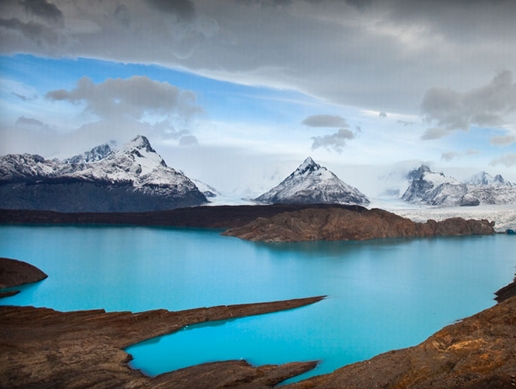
(382, 294)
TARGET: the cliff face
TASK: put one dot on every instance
(475, 353)
(343, 224)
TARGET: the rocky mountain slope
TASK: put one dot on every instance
(311, 183)
(344, 224)
(430, 188)
(132, 179)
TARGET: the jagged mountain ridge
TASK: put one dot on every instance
(427, 187)
(132, 179)
(312, 183)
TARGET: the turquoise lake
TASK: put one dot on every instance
(382, 294)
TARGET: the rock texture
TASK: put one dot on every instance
(344, 224)
(16, 273)
(43, 348)
(478, 352)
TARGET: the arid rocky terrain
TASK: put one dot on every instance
(344, 224)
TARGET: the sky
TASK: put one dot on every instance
(237, 93)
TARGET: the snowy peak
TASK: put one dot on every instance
(95, 154)
(427, 187)
(104, 179)
(311, 183)
(485, 179)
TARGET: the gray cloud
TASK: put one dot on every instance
(450, 155)
(129, 98)
(382, 115)
(348, 47)
(506, 140)
(324, 121)
(44, 10)
(23, 121)
(183, 9)
(507, 160)
(33, 31)
(404, 123)
(188, 141)
(434, 133)
(333, 142)
(484, 106)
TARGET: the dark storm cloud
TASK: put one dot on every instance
(129, 98)
(324, 121)
(183, 9)
(335, 142)
(35, 32)
(44, 10)
(484, 106)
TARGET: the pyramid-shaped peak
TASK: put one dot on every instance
(308, 164)
(140, 142)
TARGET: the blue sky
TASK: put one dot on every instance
(238, 93)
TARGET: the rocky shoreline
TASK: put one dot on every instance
(43, 348)
(40, 347)
(344, 224)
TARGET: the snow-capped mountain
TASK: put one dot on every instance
(427, 187)
(485, 179)
(311, 183)
(133, 178)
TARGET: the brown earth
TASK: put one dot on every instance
(476, 353)
(43, 348)
(344, 224)
(16, 273)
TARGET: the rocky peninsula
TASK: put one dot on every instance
(16, 273)
(345, 224)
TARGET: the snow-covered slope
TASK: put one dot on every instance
(134, 178)
(311, 183)
(427, 187)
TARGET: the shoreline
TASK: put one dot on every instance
(40, 346)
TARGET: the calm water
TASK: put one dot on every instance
(382, 294)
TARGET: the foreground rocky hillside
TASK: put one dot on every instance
(345, 224)
(41, 347)
(132, 179)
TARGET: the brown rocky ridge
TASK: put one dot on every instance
(43, 348)
(344, 224)
(15, 273)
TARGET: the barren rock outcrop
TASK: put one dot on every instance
(345, 224)
(16, 273)
(43, 348)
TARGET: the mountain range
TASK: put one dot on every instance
(134, 178)
(431, 188)
(131, 179)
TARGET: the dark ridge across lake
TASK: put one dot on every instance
(224, 216)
